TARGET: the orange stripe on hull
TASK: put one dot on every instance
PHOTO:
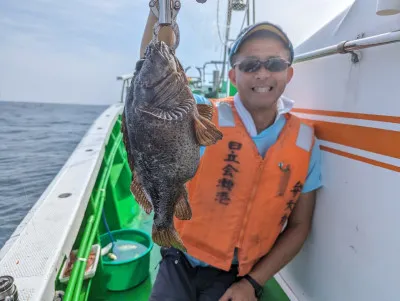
(379, 141)
(383, 118)
(360, 158)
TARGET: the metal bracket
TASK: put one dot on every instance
(355, 56)
(165, 10)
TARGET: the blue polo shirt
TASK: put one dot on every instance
(263, 141)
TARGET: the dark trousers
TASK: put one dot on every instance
(177, 280)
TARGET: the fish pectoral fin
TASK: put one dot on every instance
(205, 110)
(167, 237)
(182, 207)
(140, 195)
(176, 113)
(206, 132)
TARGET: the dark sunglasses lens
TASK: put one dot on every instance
(249, 65)
(276, 65)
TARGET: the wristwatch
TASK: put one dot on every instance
(258, 289)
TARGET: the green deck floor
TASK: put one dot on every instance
(273, 292)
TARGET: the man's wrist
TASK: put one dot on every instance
(258, 288)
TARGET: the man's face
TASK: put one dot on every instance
(261, 90)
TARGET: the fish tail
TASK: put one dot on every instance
(182, 207)
(167, 237)
(206, 132)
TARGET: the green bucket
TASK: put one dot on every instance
(125, 274)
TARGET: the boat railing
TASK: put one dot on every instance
(126, 79)
(350, 46)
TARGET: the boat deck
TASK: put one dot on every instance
(273, 292)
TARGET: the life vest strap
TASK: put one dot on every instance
(305, 137)
(225, 114)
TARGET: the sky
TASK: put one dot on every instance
(72, 51)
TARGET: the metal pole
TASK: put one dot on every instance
(207, 63)
(248, 12)
(215, 80)
(228, 24)
(316, 54)
(349, 46)
(122, 92)
(254, 11)
(165, 17)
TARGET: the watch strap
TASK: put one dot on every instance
(258, 289)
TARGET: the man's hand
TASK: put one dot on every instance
(240, 291)
(289, 242)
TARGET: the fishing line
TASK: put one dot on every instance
(108, 228)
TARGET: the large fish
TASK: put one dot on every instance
(163, 130)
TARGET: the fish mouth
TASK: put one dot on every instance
(158, 64)
(160, 50)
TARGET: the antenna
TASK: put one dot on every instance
(233, 6)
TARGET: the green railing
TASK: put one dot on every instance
(91, 229)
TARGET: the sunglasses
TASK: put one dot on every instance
(274, 64)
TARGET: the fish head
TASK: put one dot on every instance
(158, 63)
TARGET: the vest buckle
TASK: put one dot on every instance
(282, 168)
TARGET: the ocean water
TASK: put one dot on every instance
(35, 141)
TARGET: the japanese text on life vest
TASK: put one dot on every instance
(297, 188)
(226, 183)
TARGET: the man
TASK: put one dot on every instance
(254, 193)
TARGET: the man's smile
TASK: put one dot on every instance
(262, 89)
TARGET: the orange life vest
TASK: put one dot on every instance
(239, 199)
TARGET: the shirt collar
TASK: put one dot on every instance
(284, 105)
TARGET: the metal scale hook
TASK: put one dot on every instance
(166, 13)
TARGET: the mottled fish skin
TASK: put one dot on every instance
(159, 127)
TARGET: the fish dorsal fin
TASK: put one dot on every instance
(176, 113)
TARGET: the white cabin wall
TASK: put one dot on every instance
(353, 250)
(335, 83)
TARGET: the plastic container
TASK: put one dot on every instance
(89, 273)
(122, 275)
